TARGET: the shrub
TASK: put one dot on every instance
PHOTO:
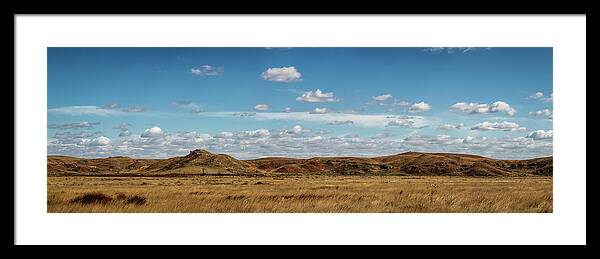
(91, 198)
(136, 199)
(121, 196)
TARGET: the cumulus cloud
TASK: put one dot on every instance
(319, 111)
(501, 126)
(450, 126)
(207, 70)
(476, 108)
(154, 132)
(401, 123)
(190, 106)
(541, 96)
(337, 122)
(287, 109)
(292, 142)
(469, 108)
(282, 74)
(296, 130)
(134, 109)
(317, 97)
(101, 141)
(262, 107)
(540, 134)
(404, 122)
(74, 125)
(419, 107)
(537, 95)
(545, 113)
(259, 133)
(502, 107)
(382, 98)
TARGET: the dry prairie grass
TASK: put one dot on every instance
(364, 194)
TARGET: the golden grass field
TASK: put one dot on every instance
(298, 194)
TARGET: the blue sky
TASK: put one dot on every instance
(302, 102)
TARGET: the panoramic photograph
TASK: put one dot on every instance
(300, 130)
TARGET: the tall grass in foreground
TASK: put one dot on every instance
(299, 194)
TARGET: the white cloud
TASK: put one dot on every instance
(476, 108)
(319, 111)
(450, 126)
(262, 107)
(540, 96)
(382, 98)
(419, 107)
(537, 95)
(317, 97)
(360, 120)
(501, 126)
(83, 110)
(500, 106)
(432, 140)
(287, 109)
(224, 134)
(102, 141)
(404, 123)
(99, 141)
(297, 129)
(282, 74)
(113, 105)
(134, 109)
(153, 132)
(338, 122)
(469, 108)
(294, 142)
(207, 70)
(540, 134)
(545, 113)
(383, 135)
(74, 125)
(244, 114)
(401, 103)
(259, 133)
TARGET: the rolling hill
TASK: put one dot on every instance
(409, 163)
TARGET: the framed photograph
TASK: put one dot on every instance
(296, 129)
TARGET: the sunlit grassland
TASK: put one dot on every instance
(297, 194)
